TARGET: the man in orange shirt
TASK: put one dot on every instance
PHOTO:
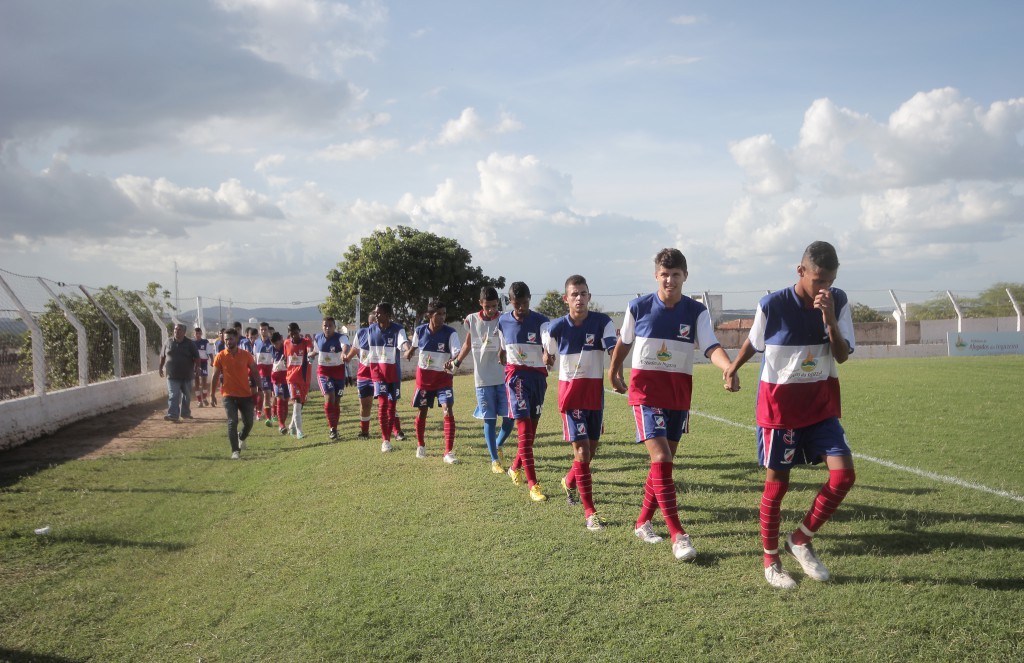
(236, 366)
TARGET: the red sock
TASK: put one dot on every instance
(384, 417)
(665, 489)
(421, 428)
(771, 514)
(650, 501)
(335, 414)
(282, 411)
(528, 465)
(583, 484)
(396, 424)
(327, 414)
(570, 478)
(825, 504)
(523, 431)
(449, 434)
(266, 411)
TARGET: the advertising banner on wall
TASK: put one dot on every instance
(972, 344)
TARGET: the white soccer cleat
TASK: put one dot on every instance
(809, 561)
(450, 458)
(385, 446)
(594, 523)
(683, 549)
(421, 452)
(778, 578)
(235, 455)
(646, 533)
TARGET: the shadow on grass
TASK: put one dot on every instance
(172, 491)
(100, 540)
(18, 655)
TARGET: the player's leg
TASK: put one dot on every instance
(420, 422)
(231, 412)
(446, 398)
(247, 410)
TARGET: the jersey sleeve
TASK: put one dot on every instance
(608, 338)
(757, 329)
(454, 344)
(706, 339)
(628, 332)
(845, 319)
(401, 338)
(550, 339)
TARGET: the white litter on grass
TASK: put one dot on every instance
(43, 531)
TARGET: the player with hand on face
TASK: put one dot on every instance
(385, 339)
(297, 350)
(665, 327)
(804, 332)
(263, 350)
(522, 334)
(580, 340)
(488, 375)
(331, 348)
(438, 344)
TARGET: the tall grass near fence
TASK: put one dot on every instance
(310, 551)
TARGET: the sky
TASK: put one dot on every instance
(251, 142)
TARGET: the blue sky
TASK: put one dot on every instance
(252, 141)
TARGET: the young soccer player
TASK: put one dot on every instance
(364, 381)
(297, 349)
(331, 349)
(263, 350)
(202, 380)
(438, 344)
(580, 340)
(665, 326)
(522, 334)
(488, 375)
(804, 332)
(279, 380)
(385, 339)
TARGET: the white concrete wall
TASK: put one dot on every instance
(24, 419)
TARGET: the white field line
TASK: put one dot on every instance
(942, 478)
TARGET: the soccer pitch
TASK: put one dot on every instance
(307, 551)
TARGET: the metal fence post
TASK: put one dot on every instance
(118, 364)
(38, 351)
(83, 340)
(143, 349)
(901, 320)
(959, 313)
(1016, 307)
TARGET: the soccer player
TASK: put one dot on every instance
(202, 373)
(263, 350)
(438, 345)
(521, 338)
(279, 380)
(385, 339)
(238, 368)
(219, 344)
(331, 349)
(488, 375)
(580, 340)
(297, 349)
(804, 332)
(364, 381)
(665, 326)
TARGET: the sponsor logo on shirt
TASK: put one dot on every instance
(663, 353)
(809, 363)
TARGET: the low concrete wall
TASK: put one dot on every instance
(24, 419)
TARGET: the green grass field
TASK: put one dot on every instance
(308, 551)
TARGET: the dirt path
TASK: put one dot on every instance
(120, 432)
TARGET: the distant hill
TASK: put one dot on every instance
(215, 317)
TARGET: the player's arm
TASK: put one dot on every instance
(619, 353)
(214, 382)
(254, 373)
(465, 349)
(840, 347)
(720, 358)
(731, 373)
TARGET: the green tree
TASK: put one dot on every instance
(864, 313)
(990, 303)
(408, 268)
(553, 305)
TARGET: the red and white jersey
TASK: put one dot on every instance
(581, 350)
(279, 365)
(384, 347)
(435, 348)
(664, 340)
(799, 383)
(264, 353)
(363, 342)
(330, 354)
(296, 355)
(523, 342)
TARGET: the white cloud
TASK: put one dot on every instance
(467, 126)
(269, 162)
(769, 169)
(685, 19)
(367, 148)
(521, 185)
(370, 121)
(508, 123)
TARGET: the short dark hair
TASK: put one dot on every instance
(519, 290)
(670, 259)
(327, 317)
(385, 308)
(821, 255)
(199, 329)
(236, 324)
(275, 337)
(231, 332)
(293, 326)
(488, 293)
(434, 304)
(575, 279)
(265, 324)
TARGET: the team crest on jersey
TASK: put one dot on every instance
(440, 347)
(659, 422)
(787, 456)
(684, 332)
(589, 340)
(389, 341)
(581, 428)
(531, 337)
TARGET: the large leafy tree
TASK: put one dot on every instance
(864, 313)
(990, 303)
(552, 305)
(408, 268)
